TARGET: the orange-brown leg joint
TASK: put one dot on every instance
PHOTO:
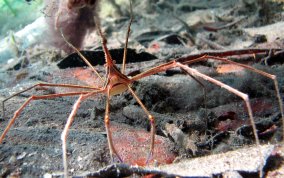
(107, 120)
(152, 119)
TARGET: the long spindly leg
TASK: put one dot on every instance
(126, 39)
(112, 149)
(265, 74)
(152, 122)
(44, 85)
(204, 94)
(68, 125)
(232, 90)
(82, 56)
(17, 113)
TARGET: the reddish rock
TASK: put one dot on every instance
(133, 145)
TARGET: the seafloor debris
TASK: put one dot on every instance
(244, 161)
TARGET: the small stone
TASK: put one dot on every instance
(12, 159)
(260, 38)
(21, 156)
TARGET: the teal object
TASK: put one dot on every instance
(15, 14)
(10, 7)
(21, 25)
